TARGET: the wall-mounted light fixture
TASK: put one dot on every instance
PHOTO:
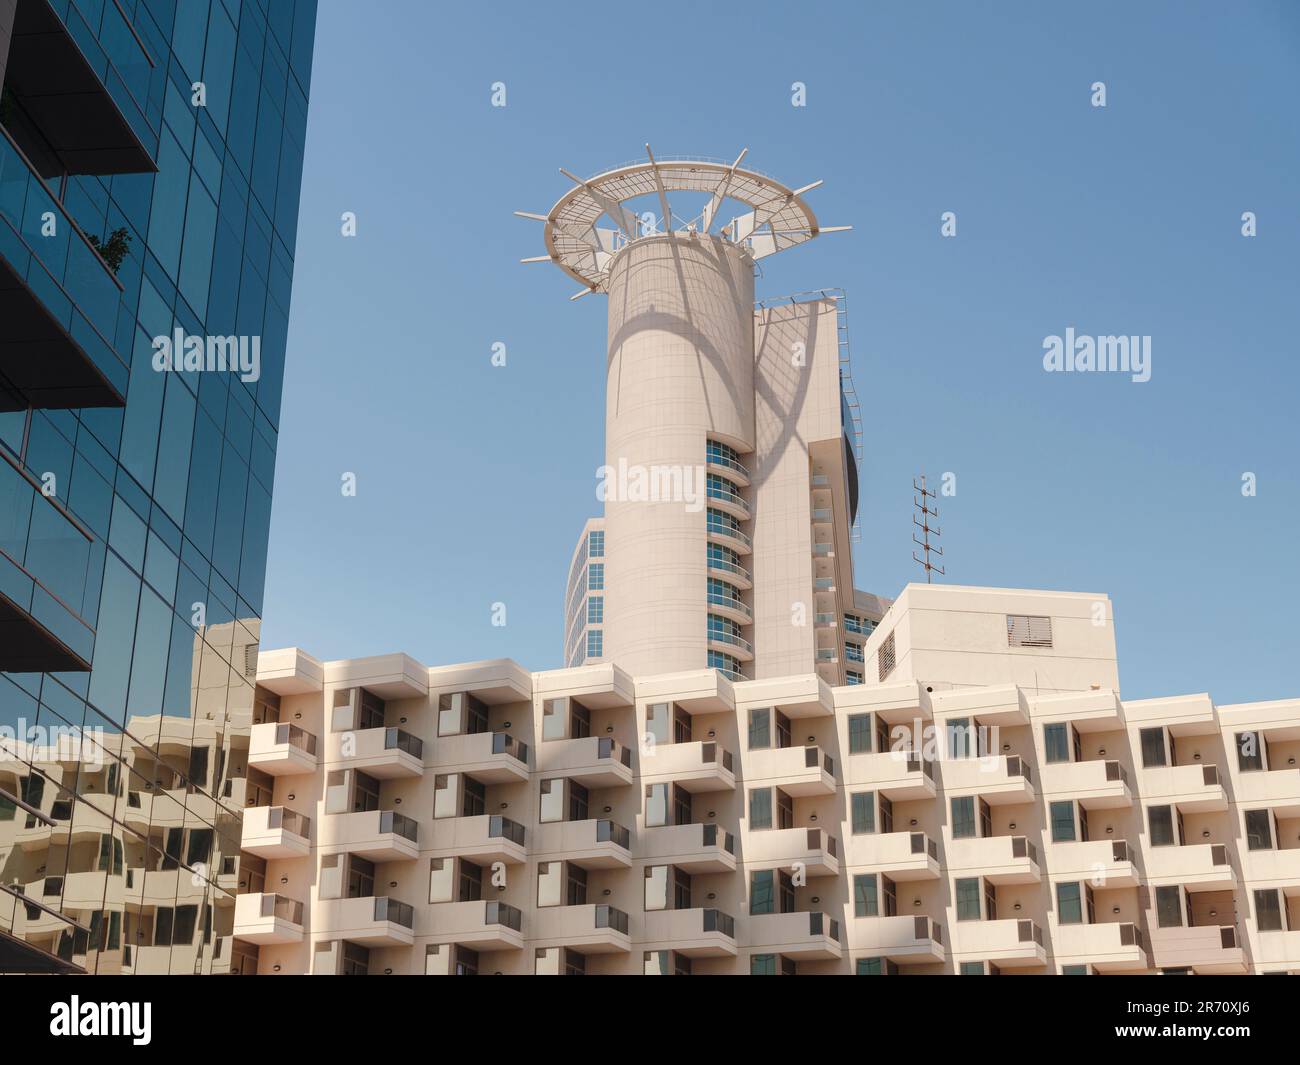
(713, 734)
(283, 880)
(609, 729)
(812, 817)
(1006, 747)
(505, 805)
(1101, 751)
(392, 883)
(812, 740)
(505, 724)
(1196, 756)
(609, 809)
(712, 895)
(292, 796)
(1012, 826)
(1016, 907)
(397, 802)
(916, 903)
(401, 721)
(913, 822)
(606, 892)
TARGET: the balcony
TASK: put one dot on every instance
(730, 572)
(592, 844)
(1273, 868)
(722, 499)
(267, 919)
(484, 839)
(1109, 948)
(730, 644)
(804, 936)
(692, 848)
(822, 515)
(697, 933)
(482, 925)
(700, 767)
(490, 757)
(897, 775)
(588, 929)
(596, 761)
(798, 771)
(1200, 866)
(44, 572)
(376, 921)
(383, 753)
(1010, 943)
(720, 533)
(283, 750)
(997, 779)
(376, 835)
(783, 848)
(1104, 862)
(1095, 785)
(998, 859)
(717, 462)
(1192, 788)
(728, 606)
(1208, 950)
(58, 298)
(1275, 788)
(901, 856)
(275, 832)
(904, 940)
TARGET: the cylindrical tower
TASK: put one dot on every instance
(675, 589)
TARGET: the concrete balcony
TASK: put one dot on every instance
(783, 848)
(484, 839)
(998, 859)
(1192, 788)
(1272, 868)
(997, 779)
(1203, 866)
(589, 929)
(275, 832)
(1095, 785)
(1103, 862)
(592, 844)
(693, 848)
(904, 940)
(897, 775)
(384, 753)
(489, 757)
(1010, 943)
(697, 933)
(901, 856)
(376, 835)
(266, 919)
(482, 925)
(595, 761)
(281, 750)
(1108, 948)
(375, 921)
(1275, 788)
(1208, 950)
(731, 644)
(805, 936)
(797, 771)
(699, 767)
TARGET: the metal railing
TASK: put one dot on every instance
(922, 844)
(822, 924)
(713, 458)
(503, 828)
(1021, 847)
(503, 914)
(731, 639)
(289, 820)
(710, 838)
(398, 824)
(1130, 935)
(1120, 851)
(613, 832)
(610, 748)
(725, 566)
(399, 913)
(611, 917)
(295, 737)
(396, 739)
(717, 921)
(504, 743)
(1018, 767)
(1027, 931)
(713, 492)
(731, 603)
(717, 528)
(1115, 771)
(286, 909)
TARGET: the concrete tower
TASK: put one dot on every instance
(704, 444)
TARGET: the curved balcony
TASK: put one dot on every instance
(727, 466)
(822, 515)
(730, 607)
(737, 575)
(733, 538)
(729, 643)
(728, 501)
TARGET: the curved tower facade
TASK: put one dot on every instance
(727, 487)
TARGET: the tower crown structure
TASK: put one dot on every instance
(777, 217)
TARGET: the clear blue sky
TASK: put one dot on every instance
(473, 481)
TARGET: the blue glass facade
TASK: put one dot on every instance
(150, 161)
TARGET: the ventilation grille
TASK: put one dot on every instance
(250, 660)
(1025, 631)
(885, 657)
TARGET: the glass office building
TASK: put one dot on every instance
(150, 161)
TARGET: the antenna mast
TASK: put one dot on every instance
(925, 511)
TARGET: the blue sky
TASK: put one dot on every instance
(473, 481)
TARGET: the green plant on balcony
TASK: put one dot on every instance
(114, 249)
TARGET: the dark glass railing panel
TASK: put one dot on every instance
(810, 757)
(399, 913)
(396, 739)
(284, 908)
(1218, 854)
(611, 832)
(504, 743)
(1120, 852)
(1027, 932)
(1130, 935)
(290, 821)
(503, 828)
(611, 748)
(296, 737)
(610, 917)
(1210, 774)
(503, 914)
(1227, 937)
(1115, 771)
(399, 824)
(717, 921)
(1018, 767)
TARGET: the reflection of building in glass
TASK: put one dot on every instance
(134, 504)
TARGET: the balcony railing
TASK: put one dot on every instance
(610, 917)
(720, 636)
(819, 838)
(610, 748)
(1210, 774)
(709, 753)
(926, 928)
(504, 743)
(399, 913)
(822, 550)
(725, 566)
(1120, 851)
(713, 458)
(285, 909)
(295, 737)
(1115, 771)
(714, 492)
(1130, 935)
(503, 914)
(1028, 932)
(820, 924)
(1228, 937)
(717, 921)
(289, 820)
(730, 603)
(396, 739)
(711, 838)
(1024, 848)
(921, 844)
(399, 824)
(612, 832)
(811, 757)
(719, 529)
(1018, 767)
(503, 828)
(822, 514)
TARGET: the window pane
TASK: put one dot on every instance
(760, 808)
(860, 734)
(968, 899)
(865, 900)
(760, 729)
(1160, 820)
(1259, 830)
(762, 894)
(1062, 822)
(963, 817)
(1169, 907)
(1069, 904)
(864, 811)
(1268, 912)
(1057, 741)
(1153, 746)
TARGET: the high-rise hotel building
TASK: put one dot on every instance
(150, 160)
(745, 764)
